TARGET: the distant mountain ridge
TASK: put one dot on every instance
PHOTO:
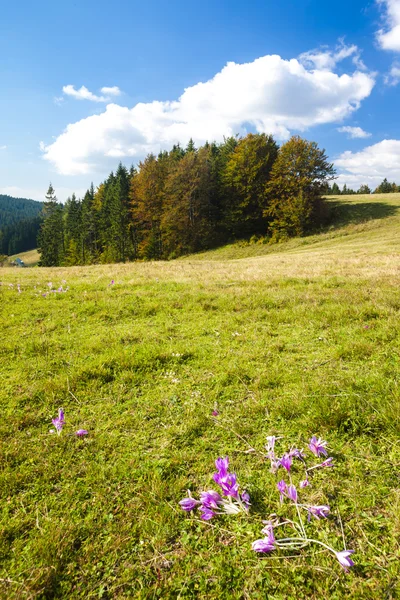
(13, 210)
(19, 224)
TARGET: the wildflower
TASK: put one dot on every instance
(44, 295)
(111, 283)
(215, 413)
(59, 421)
(60, 289)
(210, 499)
(344, 559)
(271, 444)
(318, 446)
(188, 504)
(50, 285)
(286, 462)
(327, 463)
(266, 544)
(291, 492)
(281, 485)
(229, 485)
(318, 511)
(18, 288)
(206, 513)
(296, 453)
(81, 432)
(245, 499)
(222, 465)
(305, 483)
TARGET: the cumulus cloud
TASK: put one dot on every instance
(393, 77)
(111, 91)
(269, 95)
(3, 147)
(389, 37)
(324, 58)
(84, 94)
(354, 132)
(371, 165)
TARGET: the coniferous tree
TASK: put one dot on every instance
(335, 189)
(72, 231)
(51, 235)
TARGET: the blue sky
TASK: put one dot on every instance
(305, 67)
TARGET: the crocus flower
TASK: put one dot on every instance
(112, 282)
(206, 513)
(215, 413)
(271, 443)
(327, 463)
(222, 465)
(304, 483)
(210, 499)
(81, 432)
(245, 499)
(296, 453)
(286, 462)
(267, 543)
(318, 446)
(281, 485)
(188, 504)
(344, 559)
(291, 492)
(59, 421)
(318, 511)
(229, 485)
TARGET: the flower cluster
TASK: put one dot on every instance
(59, 423)
(212, 503)
(289, 491)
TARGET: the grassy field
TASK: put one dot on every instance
(290, 340)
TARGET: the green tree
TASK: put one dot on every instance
(72, 231)
(384, 188)
(335, 189)
(245, 177)
(298, 177)
(364, 189)
(51, 234)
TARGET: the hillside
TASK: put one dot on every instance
(13, 210)
(170, 365)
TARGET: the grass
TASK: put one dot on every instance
(300, 339)
(30, 258)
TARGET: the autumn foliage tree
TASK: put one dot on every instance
(294, 192)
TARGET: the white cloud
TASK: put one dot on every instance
(84, 94)
(111, 91)
(269, 95)
(354, 132)
(323, 58)
(3, 147)
(389, 37)
(371, 165)
(393, 77)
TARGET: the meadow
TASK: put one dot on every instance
(293, 339)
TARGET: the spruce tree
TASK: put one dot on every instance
(51, 235)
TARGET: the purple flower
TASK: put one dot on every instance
(267, 543)
(229, 485)
(111, 283)
(318, 446)
(281, 485)
(286, 462)
(271, 443)
(81, 432)
(327, 463)
(188, 504)
(291, 492)
(206, 513)
(305, 483)
(222, 465)
(296, 453)
(318, 511)
(245, 499)
(215, 413)
(210, 499)
(59, 421)
(343, 558)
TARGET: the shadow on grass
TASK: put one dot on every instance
(346, 213)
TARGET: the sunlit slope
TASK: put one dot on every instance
(30, 257)
(361, 225)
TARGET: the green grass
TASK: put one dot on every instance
(143, 363)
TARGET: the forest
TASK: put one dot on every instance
(190, 199)
(19, 224)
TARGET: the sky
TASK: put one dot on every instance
(86, 84)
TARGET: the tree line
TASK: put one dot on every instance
(190, 199)
(19, 224)
(383, 188)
